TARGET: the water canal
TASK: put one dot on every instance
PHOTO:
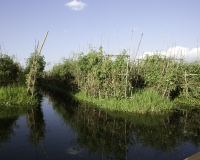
(61, 130)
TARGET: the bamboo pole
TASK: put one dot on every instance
(33, 70)
(126, 88)
(197, 52)
(138, 46)
(186, 85)
(1, 51)
(43, 43)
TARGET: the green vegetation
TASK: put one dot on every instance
(16, 96)
(13, 92)
(34, 71)
(10, 71)
(169, 76)
(147, 100)
(152, 84)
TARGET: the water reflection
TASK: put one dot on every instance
(112, 135)
(7, 128)
(98, 133)
(8, 124)
(34, 119)
(36, 124)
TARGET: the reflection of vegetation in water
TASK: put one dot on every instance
(36, 125)
(13, 112)
(112, 132)
(176, 130)
(96, 131)
(8, 117)
(7, 126)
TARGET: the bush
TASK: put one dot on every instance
(10, 71)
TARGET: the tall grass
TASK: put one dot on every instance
(16, 96)
(142, 101)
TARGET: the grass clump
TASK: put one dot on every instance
(16, 96)
(187, 103)
(142, 101)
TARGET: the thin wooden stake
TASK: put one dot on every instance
(138, 46)
(186, 85)
(43, 43)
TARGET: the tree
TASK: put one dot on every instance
(10, 71)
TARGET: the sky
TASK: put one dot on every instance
(74, 26)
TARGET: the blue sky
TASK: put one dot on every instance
(74, 24)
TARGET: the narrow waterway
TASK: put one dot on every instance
(61, 130)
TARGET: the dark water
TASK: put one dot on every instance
(61, 130)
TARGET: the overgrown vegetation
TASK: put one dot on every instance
(10, 72)
(169, 76)
(16, 96)
(13, 91)
(142, 101)
(116, 79)
(34, 72)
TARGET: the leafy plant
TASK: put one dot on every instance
(10, 71)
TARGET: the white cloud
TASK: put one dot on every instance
(75, 5)
(193, 56)
(178, 52)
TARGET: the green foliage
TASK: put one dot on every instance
(170, 77)
(115, 76)
(40, 62)
(142, 101)
(93, 74)
(161, 73)
(62, 75)
(191, 80)
(10, 72)
(16, 96)
(34, 69)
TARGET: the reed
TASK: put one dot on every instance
(16, 96)
(142, 101)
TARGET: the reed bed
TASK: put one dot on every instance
(143, 101)
(16, 96)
